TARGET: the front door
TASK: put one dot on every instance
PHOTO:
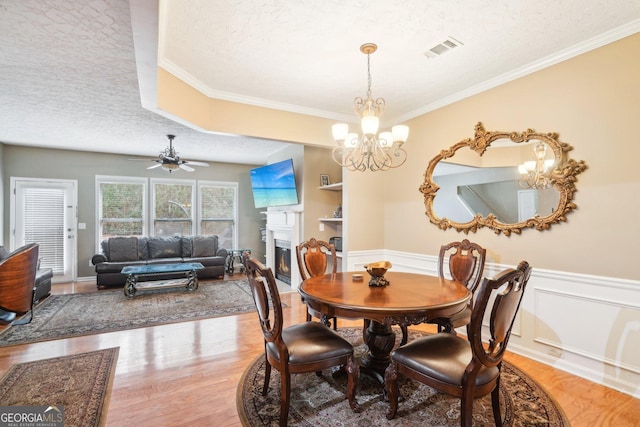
(44, 212)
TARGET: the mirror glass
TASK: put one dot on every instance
(468, 190)
(502, 180)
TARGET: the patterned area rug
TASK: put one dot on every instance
(320, 401)
(72, 315)
(80, 383)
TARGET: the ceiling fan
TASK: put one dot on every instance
(169, 159)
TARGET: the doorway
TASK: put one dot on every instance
(45, 212)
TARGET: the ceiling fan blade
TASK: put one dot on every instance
(197, 163)
(155, 166)
(187, 168)
(142, 160)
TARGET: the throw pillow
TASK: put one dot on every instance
(203, 246)
(165, 247)
(122, 249)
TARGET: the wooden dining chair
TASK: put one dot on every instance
(17, 284)
(465, 367)
(465, 264)
(313, 260)
(301, 348)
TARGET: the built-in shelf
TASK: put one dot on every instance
(335, 224)
(332, 187)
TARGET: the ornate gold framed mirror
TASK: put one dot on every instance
(505, 181)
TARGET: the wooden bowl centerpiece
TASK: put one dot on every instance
(377, 270)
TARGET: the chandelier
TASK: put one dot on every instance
(373, 151)
(535, 173)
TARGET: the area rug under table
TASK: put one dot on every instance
(72, 315)
(80, 384)
(320, 401)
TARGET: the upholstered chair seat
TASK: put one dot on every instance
(309, 342)
(443, 357)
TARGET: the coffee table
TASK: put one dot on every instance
(161, 271)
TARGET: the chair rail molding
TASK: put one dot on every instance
(586, 325)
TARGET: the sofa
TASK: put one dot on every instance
(43, 284)
(119, 252)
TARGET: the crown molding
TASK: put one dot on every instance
(560, 56)
(616, 34)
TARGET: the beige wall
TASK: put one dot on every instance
(180, 99)
(319, 203)
(593, 102)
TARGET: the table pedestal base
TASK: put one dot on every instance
(380, 339)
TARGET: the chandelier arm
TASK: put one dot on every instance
(370, 151)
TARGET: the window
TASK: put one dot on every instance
(172, 207)
(176, 208)
(218, 211)
(121, 206)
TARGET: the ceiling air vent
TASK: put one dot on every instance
(440, 48)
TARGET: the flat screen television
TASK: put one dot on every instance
(274, 185)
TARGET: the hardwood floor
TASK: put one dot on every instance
(187, 373)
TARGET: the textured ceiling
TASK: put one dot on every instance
(68, 79)
(81, 75)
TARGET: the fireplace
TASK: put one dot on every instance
(283, 261)
(283, 230)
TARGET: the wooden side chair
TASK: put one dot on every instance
(313, 256)
(17, 284)
(306, 347)
(465, 367)
(466, 265)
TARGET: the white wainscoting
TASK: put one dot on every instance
(586, 325)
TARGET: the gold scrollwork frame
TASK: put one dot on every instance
(563, 178)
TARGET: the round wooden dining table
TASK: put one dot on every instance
(408, 299)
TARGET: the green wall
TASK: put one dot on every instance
(20, 161)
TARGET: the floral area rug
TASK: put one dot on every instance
(72, 315)
(79, 384)
(320, 401)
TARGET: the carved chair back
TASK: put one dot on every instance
(465, 261)
(267, 300)
(508, 288)
(313, 256)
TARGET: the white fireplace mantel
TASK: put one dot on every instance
(287, 226)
